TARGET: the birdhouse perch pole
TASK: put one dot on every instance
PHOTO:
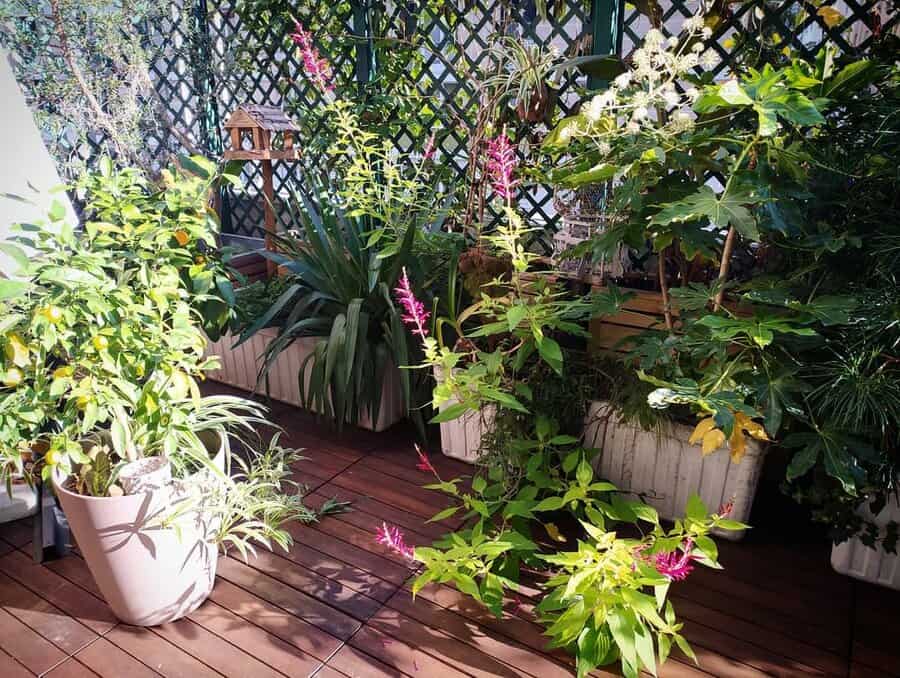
(270, 133)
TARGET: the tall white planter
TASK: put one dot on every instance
(240, 367)
(461, 437)
(855, 559)
(666, 470)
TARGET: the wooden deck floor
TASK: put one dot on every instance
(337, 604)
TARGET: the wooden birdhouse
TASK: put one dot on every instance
(263, 133)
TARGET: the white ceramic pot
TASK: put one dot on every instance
(666, 470)
(240, 368)
(873, 565)
(148, 574)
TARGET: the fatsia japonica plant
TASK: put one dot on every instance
(103, 347)
(709, 173)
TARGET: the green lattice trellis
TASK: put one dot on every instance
(210, 58)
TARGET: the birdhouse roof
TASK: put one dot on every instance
(270, 118)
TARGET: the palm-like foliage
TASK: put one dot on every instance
(341, 294)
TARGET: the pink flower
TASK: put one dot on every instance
(424, 462)
(428, 152)
(416, 315)
(316, 67)
(674, 566)
(726, 508)
(501, 166)
(393, 538)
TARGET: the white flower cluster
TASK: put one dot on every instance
(651, 82)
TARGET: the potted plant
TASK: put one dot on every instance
(103, 347)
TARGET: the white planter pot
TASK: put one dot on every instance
(461, 437)
(148, 574)
(666, 470)
(240, 367)
(855, 559)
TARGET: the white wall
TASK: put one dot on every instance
(24, 160)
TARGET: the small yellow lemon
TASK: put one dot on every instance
(100, 342)
(53, 314)
(53, 457)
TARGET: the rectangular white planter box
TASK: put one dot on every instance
(855, 559)
(666, 470)
(461, 437)
(240, 367)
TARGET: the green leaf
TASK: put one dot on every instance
(599, 173)
(695, 508)
(725, 210)
(450, 413)
(17, 254)
(57, 211)
(550, 504)
(10, 289)
(585, 474)
(515, 315)
(792, 106)
(443, 515)
(728, 95)
(551, 353)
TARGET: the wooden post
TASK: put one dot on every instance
(269, 193)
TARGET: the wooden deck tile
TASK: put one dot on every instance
(253, 610)
(159, 654)
(352, 555)
(111, 661)
(216, 652)
(50, 622)
(349, 661)
(291, 600)
(329, 591)
(11, 668)
(60, 591)
(32, 650)
(71, 668)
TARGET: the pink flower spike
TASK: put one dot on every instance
(393, 538)
(428, 152)
(501, 166)
(424, 462)
(416, 315)
(316, 67)
(673, 566)
(726, 508)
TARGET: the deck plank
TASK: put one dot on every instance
(110, 661)
(60, 591)
(12, 668)
(50, 622)
(71, 668)
(32, 650)
(306, 637)
(289, 599)
(159, 654)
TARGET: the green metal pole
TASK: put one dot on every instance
(363, 36)
(204, 80)
(607, 24)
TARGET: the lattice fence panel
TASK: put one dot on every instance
(252, 61)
